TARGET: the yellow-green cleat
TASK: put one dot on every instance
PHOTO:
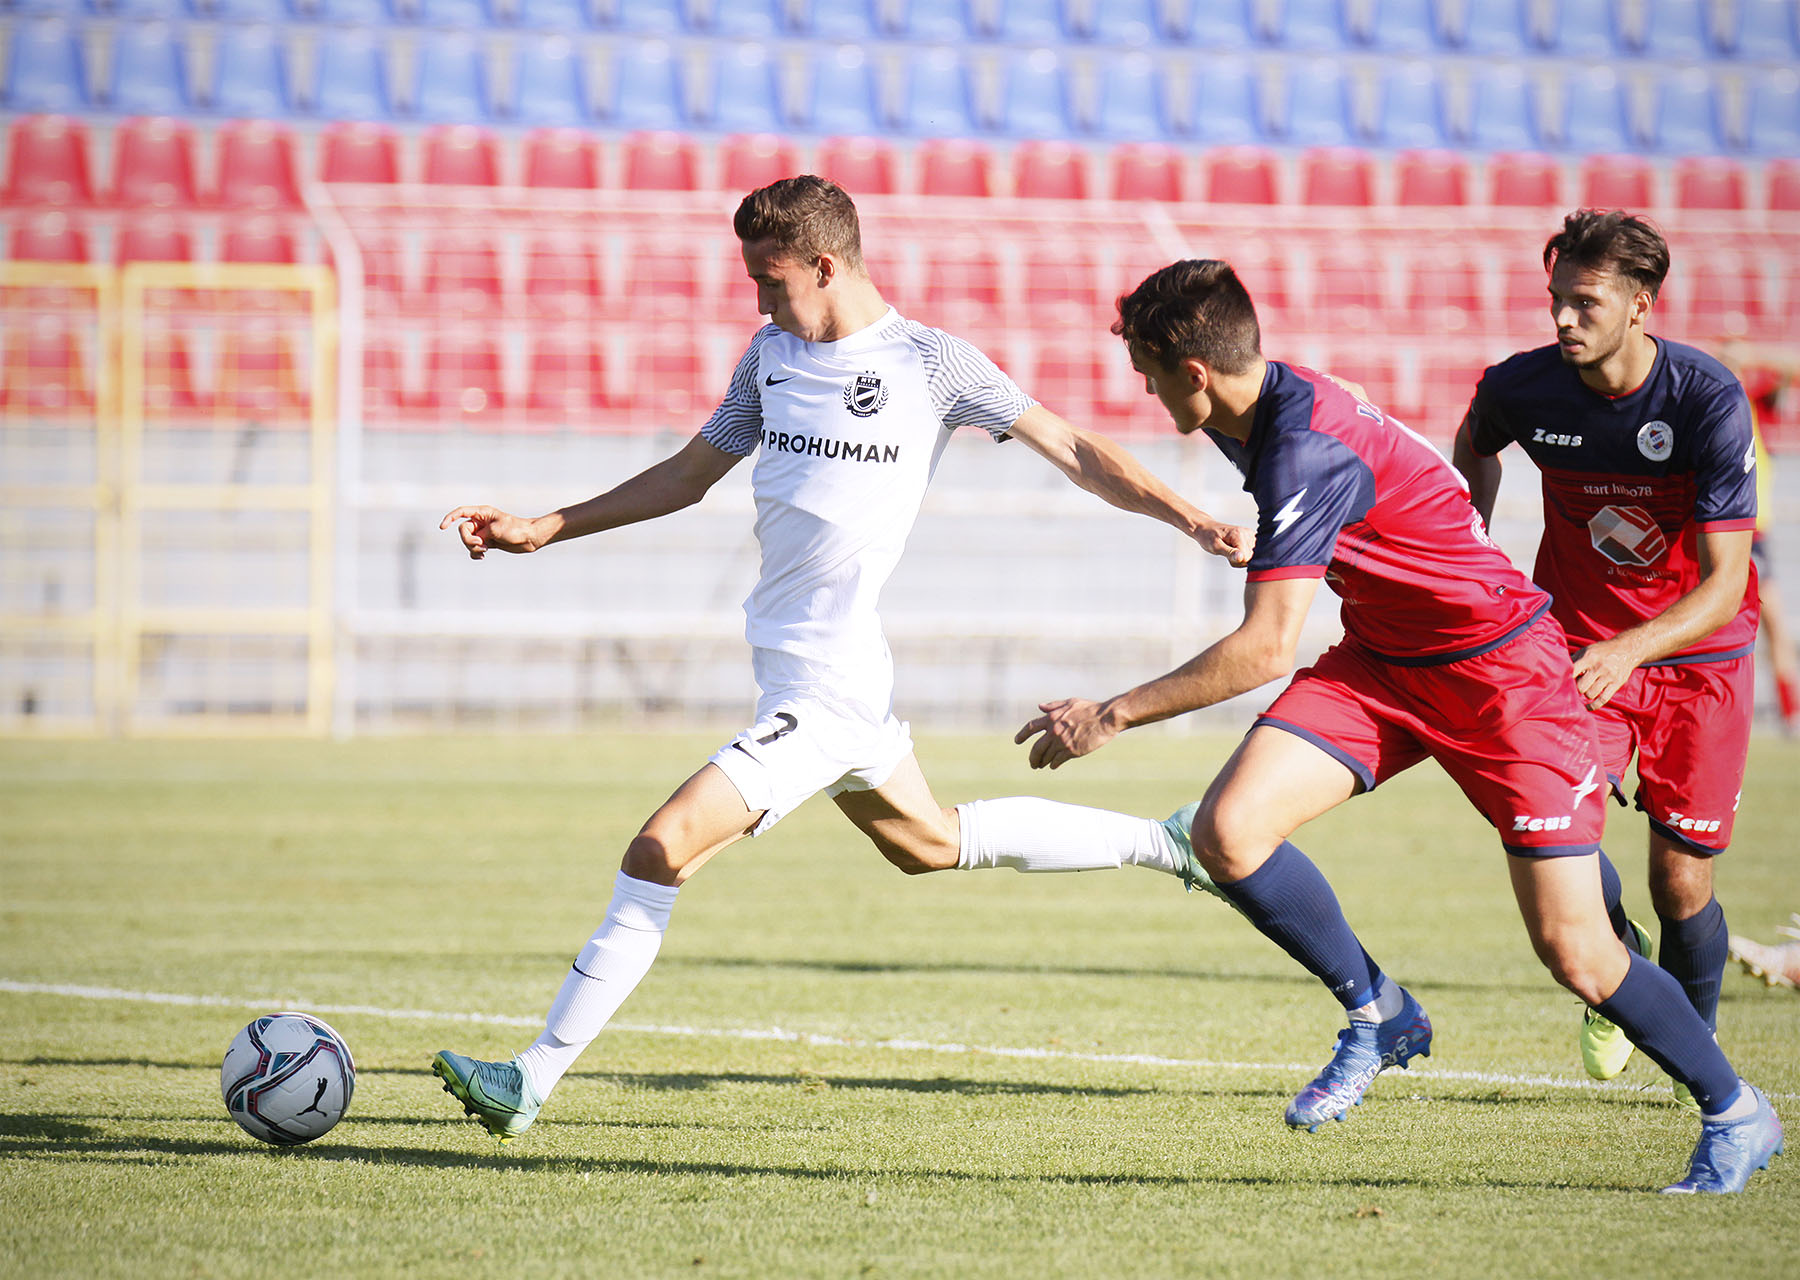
(1605, 1049)
(495, 1093)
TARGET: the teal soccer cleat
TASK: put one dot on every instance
(1729, 1151)
(1365, 1050)
(495, 1093)
(1180, 826)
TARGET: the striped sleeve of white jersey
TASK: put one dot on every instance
(736, 424)
(967, 388)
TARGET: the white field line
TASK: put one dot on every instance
(1420, 1069)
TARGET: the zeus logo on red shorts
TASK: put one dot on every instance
(1523, 823)
(1699, 826)
(1627, 535)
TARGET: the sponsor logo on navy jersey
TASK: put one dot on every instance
(1656, 440)
(1628, 535)
(865, 395)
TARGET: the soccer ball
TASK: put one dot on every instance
(287, 1078)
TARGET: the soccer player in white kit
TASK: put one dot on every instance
(848, 407)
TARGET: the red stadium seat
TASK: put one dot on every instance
(562, 277)
(1433, 179)
(47, 161)
(358, 152)
(258, 240)
(755, 160)
(462, 276)
(1445, 388)
(1337, 176)
(1073, 386)
(1347, 294)
(45, 370)
(1525, 180)
(462, 378)
(1526, 296)
(49, 237)
(861, 166)
(1242, 175)
(661, 162)
(668, 382)
(1709, 182)
(1784, 187)
(1721, 299)
(1443, 295)
(1050, 171)
(1062, 287)
(962, 288)
(568, 379)
(462, 155)
(256, 376)
(169, 389)
(662, 279)
(564, 158)
(384, 279)
(383, 395)
(155, 239)
(153, 164)
(1617, 182)
(954, 167)
(256, 166)
(1147, 171)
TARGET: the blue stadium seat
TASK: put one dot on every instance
(1031, 22)
(1595, 117)
(240, 10)
(149, 71)
(935, 21)
(1411, 114)
(45, 68)
(651, 17)
(1502, 113)
(450, 79)
(1680, 30)
(1767, 30)
(1319, 112)
(250, 75)
(352, 84)
(1310, 25)
(352, 13)
(1583, 28)
(1213, 24)
(747, 19)
(1035, 100)
(1497, 28)
(842, 94)
(1772, 122)
(936, 100)
(449, 13)
(548, 84)
(1226, 108)
(551, 15)
(1402, 26)
(850, 21)
(1129, 107)
(647, 89)
(746, 97)
(146, 10)
(1686, 119)
(1133, 22)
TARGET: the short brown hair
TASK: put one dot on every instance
(805, 216)
(1611, 239)
(1196, 309)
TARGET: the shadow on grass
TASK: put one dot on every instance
(696, 1081)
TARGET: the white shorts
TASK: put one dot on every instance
(818, 728)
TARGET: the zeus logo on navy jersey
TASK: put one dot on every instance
(815, 446)
(865, 396)
(1541, 436)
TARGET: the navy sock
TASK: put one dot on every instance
(1289, 899)
(1695, 951)
(1651, 1008)
(1613, 890)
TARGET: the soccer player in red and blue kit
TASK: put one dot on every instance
(1448, 651)
(1649, 476)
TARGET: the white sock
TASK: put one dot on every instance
(1742, 1106)
(1029, 834)
(1388, 1002)
(614, 961)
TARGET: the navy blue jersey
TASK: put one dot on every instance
(1630, 482)
(1346, 493)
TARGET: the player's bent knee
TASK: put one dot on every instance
(1226, 845)
(649, 858)
(1588, 971)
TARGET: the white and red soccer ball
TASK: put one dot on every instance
(287, 1078)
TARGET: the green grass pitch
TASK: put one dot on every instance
(394, 884)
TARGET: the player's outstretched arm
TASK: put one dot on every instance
(1110, 472)
(675, 482)
(1260, 650)
(1482, 474)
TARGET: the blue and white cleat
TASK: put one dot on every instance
(1729, 1151)
(1365, 1050)
(1180, 826)
(497, 1094)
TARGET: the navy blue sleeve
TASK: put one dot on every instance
(1725, 461)
(1308, 486)
(1489, 430)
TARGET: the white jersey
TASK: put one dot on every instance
(850, 432)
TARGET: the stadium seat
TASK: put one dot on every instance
(1411, 110)
(1446, 385)
(1676, 30)
(462, 14)
(48, 237)
(668, 385)
(169, 386)
(1050, 170)
(1310, 25)
(562, 277)
(954, 167)
(384, 280)
(1709, 182)
(933, 21)
(1685, 119)
(361, 14)
(568, 378)
(1148, 171)
(149, 71)
(352, 84)
(1347, 295)
(359, 152)
(1582, 29)
(1784, 189)
(1072, 386)
(47, 161)
(646, 89)
(249, 76)
(1063, 289)
(245, 11)
(1126, 22)
(1396, 26)
(1595, 116)
(462, 377)
(1525, 293)
(1719, 299)
(462, 276)
(741, 20)
(257, 240)
(661, 162)
(147, 10)
(1617, 182)
(842, 96)
(755, 160)
(1432, 179)
(1034, 99)
(1319, 111)
(1225, 108)
(963, 290)
(566, 158)
(384, 395)
(46, 68)
(1242, 175)
(745, 94)
(450, 79)
(561, 16)
(1502, 114)
(862, 166)
(1129, 106)
(1772, 124)
(838, 21)
(1443, 294)
(462, 155)
(651, 17)
(1213, 24)
(1766, 31)
(46, 370)
(1524, 180)
(256, 376)
(1337, 176)
(153, 163)
(936, 101)
(1037, 22)
(1494, 28)
(155, 239)
(549, 87)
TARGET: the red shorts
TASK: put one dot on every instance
(1507, 725)
(1689, 727)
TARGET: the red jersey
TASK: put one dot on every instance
(1346, 493)
(1630, 483)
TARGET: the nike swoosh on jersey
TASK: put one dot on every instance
(773, 381)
